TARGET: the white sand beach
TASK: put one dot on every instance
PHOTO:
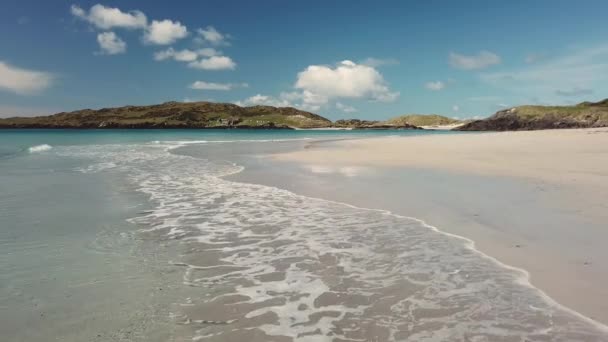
(549, 216)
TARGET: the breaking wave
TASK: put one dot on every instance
(270, 264)
(39, 148)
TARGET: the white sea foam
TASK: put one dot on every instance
(315, 270)
(194, 142)
(39, 148)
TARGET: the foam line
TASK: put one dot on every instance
(469, 243)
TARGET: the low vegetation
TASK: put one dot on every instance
(175, 115)
(423, 120)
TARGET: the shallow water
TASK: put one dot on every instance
(250, 262)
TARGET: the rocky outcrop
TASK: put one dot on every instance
(583, 115)
(371, 124)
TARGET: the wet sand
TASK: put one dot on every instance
(534, 200)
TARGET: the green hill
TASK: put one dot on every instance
(582, 115)
(423, 120)
(175, 115)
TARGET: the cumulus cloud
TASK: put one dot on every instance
(345, 108)
(346, 80)
(214, 63)
(208, 52)
(106, 18)
(180, 56)
(111, 44)
(158, 32)
(212, 36)
(164, 32)
(435, 86)
(185, 55)
(205, 59)
(202, 85)
(455, 108)
(317, 86)
(264, 100)
(481, 60)
(23, 81)
(302, 100)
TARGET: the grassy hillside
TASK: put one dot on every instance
(582, 115)
(176, 115)
(423, 120)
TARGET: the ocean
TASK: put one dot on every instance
(138, 235)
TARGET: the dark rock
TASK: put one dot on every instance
(583, 115)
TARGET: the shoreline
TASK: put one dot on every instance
(246, 176)
(555, 240)
(469, 244)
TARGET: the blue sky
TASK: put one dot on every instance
(342, 59)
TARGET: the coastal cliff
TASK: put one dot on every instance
(582, 115)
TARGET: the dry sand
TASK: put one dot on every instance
(564, 156)
(554, 225)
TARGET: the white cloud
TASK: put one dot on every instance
(345, 108)
(482, 60)
(108, 17)
(455, 108)
(185, 55)
(576, 73)
(317, 86)
(301, 100)
(214, 63)
(264, 100)
(212, 36)
(23, 81)
(180, 56)
(164, 32)
(346, 80)
(210, 59)
(110, 43)
(202, 85)
(208, 52)
(435, 86)
(77, 11)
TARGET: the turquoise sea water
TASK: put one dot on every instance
(119, 235)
